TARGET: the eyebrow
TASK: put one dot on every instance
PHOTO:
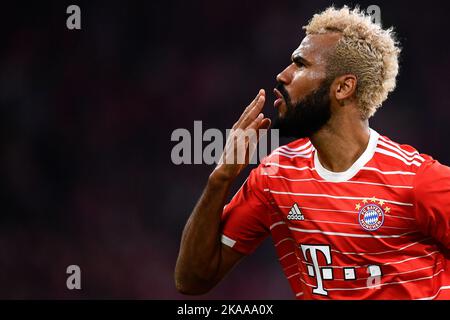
(297, 58)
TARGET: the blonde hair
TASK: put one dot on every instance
(364, 50)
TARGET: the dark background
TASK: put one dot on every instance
(87, 116)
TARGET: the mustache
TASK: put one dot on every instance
(280, 87)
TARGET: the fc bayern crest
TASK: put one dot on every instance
(371, 214)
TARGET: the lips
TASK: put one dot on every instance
(279, 99)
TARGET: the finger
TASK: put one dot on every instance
(252, 104)
(256, 122)
(265, 124)
(248, 108)
(261, 131)
(253, 113)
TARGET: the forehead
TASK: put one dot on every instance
(314, 48)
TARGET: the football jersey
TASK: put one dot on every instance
(379, 230)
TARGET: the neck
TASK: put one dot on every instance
(340, 143)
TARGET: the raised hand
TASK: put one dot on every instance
(242, 140)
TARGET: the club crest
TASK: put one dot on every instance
(371, 213)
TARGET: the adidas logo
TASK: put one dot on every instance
(295, 213)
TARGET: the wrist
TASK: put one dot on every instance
(220, 177)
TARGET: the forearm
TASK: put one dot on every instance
(202, 260)
(200, 250)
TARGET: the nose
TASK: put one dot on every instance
(285, 76)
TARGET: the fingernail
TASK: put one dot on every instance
(260, 116)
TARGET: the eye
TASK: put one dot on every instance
(298, 62)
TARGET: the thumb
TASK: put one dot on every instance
(263, 126)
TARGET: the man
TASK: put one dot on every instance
(352, 214)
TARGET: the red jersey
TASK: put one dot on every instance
(379, 230)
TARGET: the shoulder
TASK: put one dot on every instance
(400, 156)
(296, 155)
(293, 153)
(432, 174)
(428, 172)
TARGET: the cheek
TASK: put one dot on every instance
(316, 77)
(310, 76)
(305, 82)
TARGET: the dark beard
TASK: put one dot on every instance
(307, 116)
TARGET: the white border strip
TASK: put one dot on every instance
(228, 241)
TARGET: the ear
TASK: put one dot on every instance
(345, 87)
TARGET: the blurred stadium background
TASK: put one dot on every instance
(86, 119)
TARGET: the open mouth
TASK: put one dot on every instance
(279, 99)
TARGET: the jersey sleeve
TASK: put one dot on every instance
(246, 218)
(432, 200)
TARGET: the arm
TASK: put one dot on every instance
(432, 201)
(203, 260)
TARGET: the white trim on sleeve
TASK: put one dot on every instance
(228, 241)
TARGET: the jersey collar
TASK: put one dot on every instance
(356, 166)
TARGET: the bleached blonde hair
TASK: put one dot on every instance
(365, 50)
